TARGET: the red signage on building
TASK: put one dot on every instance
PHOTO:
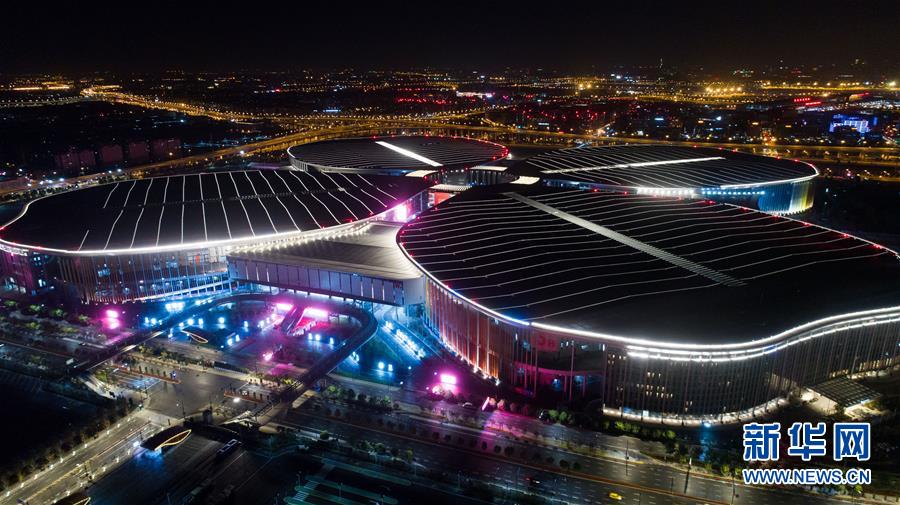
(546, 343)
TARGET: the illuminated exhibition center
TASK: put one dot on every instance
(679, 306)
(662, 281)
(769, 184)
(144, 239)
(394, 155)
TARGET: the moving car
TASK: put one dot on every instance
(226, 449)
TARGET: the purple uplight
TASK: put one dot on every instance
(315, 313)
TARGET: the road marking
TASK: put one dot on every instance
(570, 473)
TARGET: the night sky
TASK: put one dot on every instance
(227, 35)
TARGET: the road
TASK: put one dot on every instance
(167, 477)
(88, 462)
(458, 457)
(471, 451)
(256, 478)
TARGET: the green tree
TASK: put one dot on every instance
(12, 479)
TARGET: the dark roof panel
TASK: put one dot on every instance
(400, 153)
(641, 266)
(191, 209)
(661, 166)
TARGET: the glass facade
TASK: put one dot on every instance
(663, 382)
(24, 271)
(786, 198)
(129, 277)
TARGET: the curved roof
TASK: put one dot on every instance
(198, 210)
(403, 153)
(664, 167)
(664, 269)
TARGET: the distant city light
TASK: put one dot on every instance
(447, 378)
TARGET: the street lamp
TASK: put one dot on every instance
(733, 488)
(626, 456)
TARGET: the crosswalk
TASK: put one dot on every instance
(130, 380)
